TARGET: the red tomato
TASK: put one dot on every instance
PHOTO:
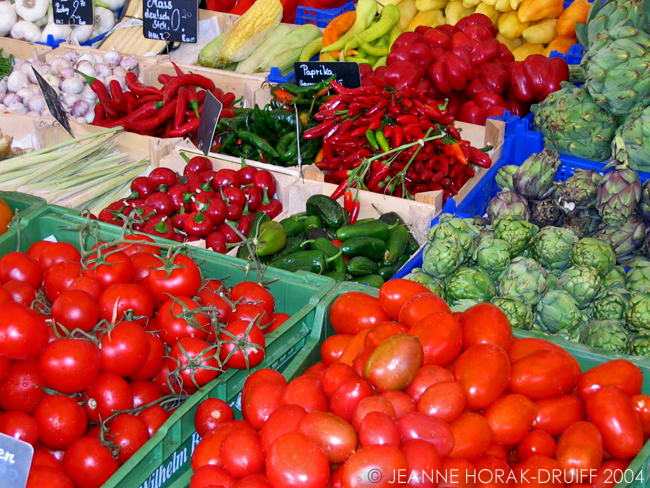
(89, 285)
(241, 453)
(143, 263)
(383, 332)
(5, 296)
(472, 436)
(124, 349)
(334, 435)
(261, 400)
(371, 404)
(105, 395)
(128, 301)
(88, 463)
(223, 308)
(60, 277)
(393, 365)
(250, 312)
(612, 472)
(176, 320)
(22, 388)
(456, 473)
(19, 425)
(208, 476)
(542, 374)
(419, 306)
(254, 481)
(60, 421)
(376, 466)
(423, 463)
(109, 269)
(153, 417)
(524, 347)
(69, 365)
(580, 451)
(347, 396)
(497, 451)
(47, 476)
(642, 407)
(251, 292)
(154, 360)
(20, 292)
(355, 311)
(612, 411)
(556, 413)
(378, 429)
(36, 249)
(262, 375)
(210, 413)
(138, 245)
(176, 276)
(21, 267)
(492, 472)
(485, 323)
(75, 309)
(276, 321)
(426, 377)
(619, 373)
(194, 360)
(539, 471)
(57, 252)
(510, 418)
(416, 425)
(401, 402)
(307, 392)
(536, 442)
(443, 401)
(46, 459)
(441, 337)
(243, 345)
(294, 460)
(484, 372)
(207, 450)
(144, 392)
(332, 348)
(129, 433)
(23, 332)
(394, 293)
(335, 375)
(284, 419)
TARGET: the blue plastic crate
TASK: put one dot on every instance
(51, 42)
(321, 17)
(573, 56)
(275, 76)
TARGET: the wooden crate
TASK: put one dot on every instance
(23, 49)
(25, 129)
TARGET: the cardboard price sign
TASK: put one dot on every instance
(171, 20)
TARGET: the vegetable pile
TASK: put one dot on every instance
(98, 345)
(202, 204)
(327, 239)
(547, 255)
(435, 399)
(583, 121)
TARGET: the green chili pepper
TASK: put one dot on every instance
(307, 89)
(372, 228)
(293, 244)
(311, 222)
(387, 272)
(292, 227)
(312, 261)
(362, 266)
(373, 280)
(256, 224)
(396, 244)
(336, 275)
(381, 140)
(370, 247)
(260, 127)
(230, 139)
(331, 251)
(271, 238)
(287, 147)
(372, 140)
(271, 121)
(259, 143)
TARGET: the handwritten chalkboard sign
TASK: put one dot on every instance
(53, 104)
(208, 124)
(15, 461)
(312, 72)
(73, 12)
(171, 20)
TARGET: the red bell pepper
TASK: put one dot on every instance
(220, 5)
(289, 8)
(475, 19)
(403, 74)
(322, 4)
(537, 77)
(242, 7)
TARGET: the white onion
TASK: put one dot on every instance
(17, 108)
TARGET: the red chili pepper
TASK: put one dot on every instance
(184, 129)
(181, 102)
(100, 113)
(193, 100)
(137, 88)
(179, 72)
(340, 190)
(479, 158)
(458, 152)
(102, 93)
(200, 97)
(354, 213)
(132, 103)
(228, 99)
(359, 131)
(218, 93)
(119, 102)
(164, 78)
(164, 114)
(348, 199)
(379, 170)
(453, 132)
(189, 79)
(320, 130)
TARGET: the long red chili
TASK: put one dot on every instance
(138, 88)
(193, 100)
(163, 78)
(354, 213)
(340, 190)
(184, 129)
(118, 96)
(458, 152)
(102, 93)
(142, 123)
(179, 72)
(100, 113)
(189, 79)
(181, 103)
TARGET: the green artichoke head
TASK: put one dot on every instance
(552, 247)
(625, 239)
(463, 231)
(631, 143)
(557, 311)
(643, 208)
(583, 222)
(524, 278)
(442, 257)
(434, 285)
(534, 178)
(618, 195)
(507, 202)
(606, 334)
(520, 314)
(637, 314)
(611, 303)
(615, 278)
(516, 232)
(638, 278)
(639, 345)
(492, 254)
(462, 305)
(581, 282)
(504, 176)
(470, 284)
(594, 253)
(579, 190)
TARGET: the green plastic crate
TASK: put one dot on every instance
(21, 203)
(166, 456)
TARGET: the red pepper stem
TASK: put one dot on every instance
(89, 79)
(185, 157)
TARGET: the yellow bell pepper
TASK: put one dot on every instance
(489, 11)
(560, 44)
(576, 13)
(503, 6)
(510, 26)
(454, 11)
(511, 44)
(541, 32)
(527, 49)
(514, 4)
(432, 18)
(532, 10)
(426, 5)
(407, 11)
(471, 3)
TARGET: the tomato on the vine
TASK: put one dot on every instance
(194, 361)
(69, 365)
(243, 345)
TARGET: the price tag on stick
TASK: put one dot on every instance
(312, 72)
(73, 12)
(210, 114)
(171, 20)
(15, 462)
(53, 103)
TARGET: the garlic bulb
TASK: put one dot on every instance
(69, 100)
(87, 92)
(86, 68)
(3, 85)
(25, 31)
(67, 73)
(59, 63)
(79, 108)
(72, 85)
(90, 116)
(44, 70)
(12, 98)
(25, 93)
(9, 18)
(16, 81)
(99, 58)
(2, 97)
(26, 68)
(70, 56)
(103, 69)
(17, 108)
(119, 72)
(3, 107)
(81, 33)
(36, 104)
(112, 58)
(86, 57)
(57, 31)
(129, 63)
(38, 63)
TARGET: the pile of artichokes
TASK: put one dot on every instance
(609, 116)
(552, 255)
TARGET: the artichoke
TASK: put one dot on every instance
(462, 305)
(520, 315)
(552, 247)
(579, 190)
(516, 232)
(442, 257)
(552, 276)
(639, 346)
(507, 202)
(434, 285)
(611, 304)
(631, 143)
(470, 284)
(607, 334)
(643, 208)
(581, 282)
(638, 278)
(492, 254)
(594, 253)
(572, 123)
(605, 16)
(504, 176)
(534, 178)
(619, 192)
(524, 278)
(463, 231)
(614, 279)
(557, 311)
(616, 71)
(545, 212)
(584, 222)
(625, 239)
(637, 314)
